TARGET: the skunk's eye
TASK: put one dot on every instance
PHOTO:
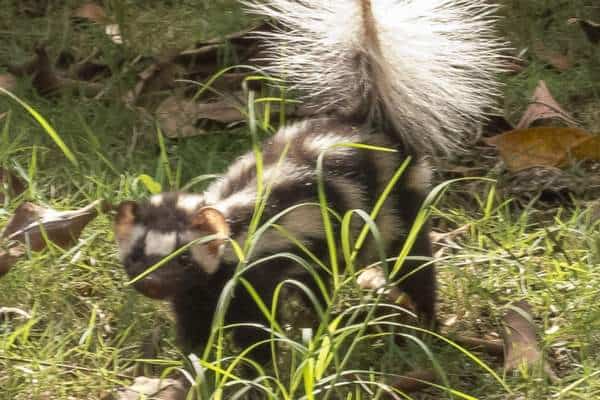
(185, 257)
(136, 255)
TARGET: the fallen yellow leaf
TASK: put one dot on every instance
(543, 146)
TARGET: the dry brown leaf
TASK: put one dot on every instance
(588, 149)
(90, 71)
(543, 146)
(179, 117)
(197, 63)
(25, 228)
(8, 81)
(203, 58)
(519, 335)
(83, 68)
(559, 61)
(590, 28)
(414, 381)
(45, 78)
(491, 347)
(154, 388)
(61, 227)
(90, 12)
(95, 13)
(159, 76)
(11, 185)
(543, 106)
(182, 117)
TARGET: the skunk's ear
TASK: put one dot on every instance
(210, 221)
(125, 219)
(126, 211)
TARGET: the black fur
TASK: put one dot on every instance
(195, 293)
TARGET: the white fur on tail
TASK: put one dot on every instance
(427, 66)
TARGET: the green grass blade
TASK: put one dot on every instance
(44, 124)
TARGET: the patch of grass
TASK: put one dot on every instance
(539, 30)
(86, 329)
(507, 257)
(148, 27)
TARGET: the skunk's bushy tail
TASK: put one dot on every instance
(424, 69)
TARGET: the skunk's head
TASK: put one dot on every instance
(149, 231)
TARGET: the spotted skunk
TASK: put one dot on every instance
(408, 75)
